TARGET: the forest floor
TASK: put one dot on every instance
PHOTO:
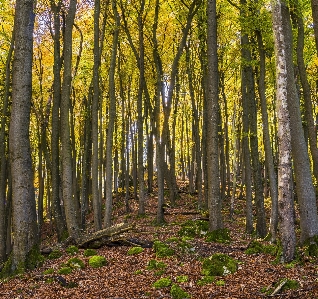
(129, 276)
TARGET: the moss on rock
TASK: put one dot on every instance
(162, 283)
(135, 250)
(219, 264)
(97, 261)
(162, 249)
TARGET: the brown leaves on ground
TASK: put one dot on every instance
(128, 277)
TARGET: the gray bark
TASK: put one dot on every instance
(212, 113)
(24, 209)
(66, 152)
(111, 122)
(285, 198)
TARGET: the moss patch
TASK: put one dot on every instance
(72, 250)
(135, 250)
(75, 263)
(162, 249)
(182, 278)
(193, 229)
(97, 261)
(65, 270)
(162, 283)
(156, 265)
(55, 254)
(219, 265)
(90, 252)
(219, 236)
(256, 247)
(177, 292)
(205, 280)
(48, 271)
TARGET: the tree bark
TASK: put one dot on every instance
(25, 229)
(212, 113)
(66, 152)
(285, 197)
(111, 122)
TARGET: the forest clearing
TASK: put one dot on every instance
(132, 276)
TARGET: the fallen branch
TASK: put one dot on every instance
(103, 235)
(279, 288)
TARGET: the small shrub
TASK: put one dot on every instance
(219, 236)
(220, 283)
(75, 263)
(205, 280)
(177, 292)
(55, 254)
(155, 265)
(72, 250)
(162, 249)
(218, 265)
(182, 278)
(65, 270)
(90, 252)
(162, 283)
(97, 261)
(160, 272)
(48, 271)
(135, 250)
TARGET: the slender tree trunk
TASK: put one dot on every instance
(66, 152)
(95, 105)
(111, 122)
(4, 155)
(56, 201)
(212, 113)
(140, 118)
(25, 229)
(304, 185)
(267, 142)
(299, 23)
(285, 198)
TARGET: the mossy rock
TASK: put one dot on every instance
(219, 236)
(162, 249)
(156, 265)
(75, 263)
(90, 252)
(183, 244)
(256, 247)
(205, 280)
(162, 283)
(55, 254)
(135, 250)
(219, 264)
(72, 250)
(97, 261)
(177, 292)
(65, 270)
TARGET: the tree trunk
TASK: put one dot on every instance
(66, 152)
(26, 243)
(304, 185)
(56, 201)
(212, 113)
(285, 198)
(4, 156)
(95, 105)
(111, 122)
(267, 142)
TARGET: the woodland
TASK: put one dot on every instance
(184, 130)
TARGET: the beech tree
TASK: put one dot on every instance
(26, 242)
